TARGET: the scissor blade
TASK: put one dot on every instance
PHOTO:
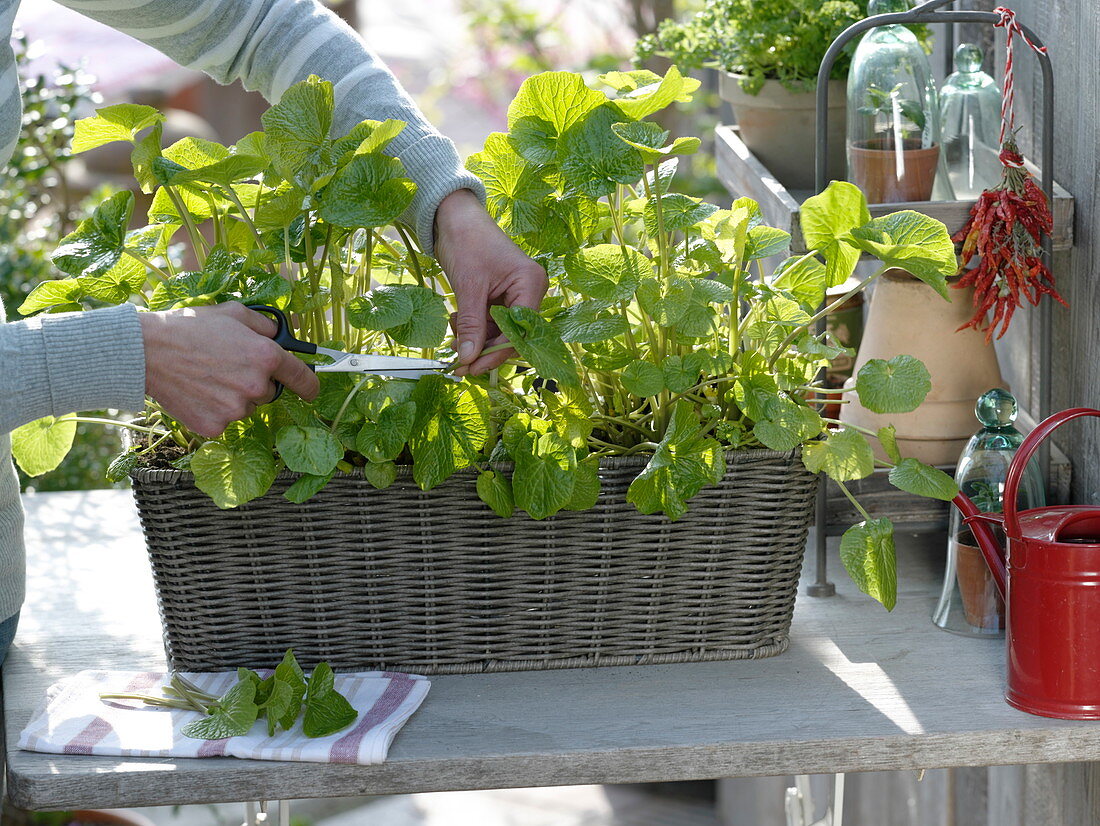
(399, 367)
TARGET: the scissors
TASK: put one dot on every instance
(399, 367)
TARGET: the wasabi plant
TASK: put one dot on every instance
(664, 336)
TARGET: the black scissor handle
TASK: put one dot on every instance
(284, 338)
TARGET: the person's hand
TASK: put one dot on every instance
(484, 268)
(209, 366)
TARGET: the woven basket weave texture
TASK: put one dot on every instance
(433, 582)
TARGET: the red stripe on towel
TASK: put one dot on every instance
(99, 728)
(346, 749)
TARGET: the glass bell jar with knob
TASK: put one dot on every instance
(970, 120)
(893, 114)
(970, 603)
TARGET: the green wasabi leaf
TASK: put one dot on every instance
(428, 323)
(895, 386)
(96, 244)
(545, 106)
(449, 430)
(586, 486)
(677, 212)
(233, 474)
(787, 425)
(888, 438)
(607, 272)
(327, 710)
(120, 122)
(290, 673)
(63, 295)
(515, 189)
(805, 279)
(234, 715)
(643, 101)
(312, 450)
(680, 467)
(666, 302)
(381, 308)
(763, 241)
(305, 487)
(913, 476)
(538, 342)
(593, 159)
(384, 439)
(370, 191)
(843, 456)
(642, 379)
(827, 219)
(296, 130)
(380, 474)
(916, 243)
(40, 446)
(868, 554)
(495, 490)
(680, 373)
(545, 470)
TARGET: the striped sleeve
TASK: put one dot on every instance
(271, 44)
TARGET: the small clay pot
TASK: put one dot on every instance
(889, 176)
(982, 603)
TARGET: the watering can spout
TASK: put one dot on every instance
(992, 552)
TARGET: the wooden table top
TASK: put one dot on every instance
(859, 689)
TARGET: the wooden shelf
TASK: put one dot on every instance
(743, 175)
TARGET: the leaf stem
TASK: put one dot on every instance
(852, 499)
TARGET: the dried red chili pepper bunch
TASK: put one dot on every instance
(1005, 229)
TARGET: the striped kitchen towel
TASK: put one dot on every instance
(74, 720)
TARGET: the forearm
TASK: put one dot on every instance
(72, 362)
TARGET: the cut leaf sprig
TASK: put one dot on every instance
(280, 699)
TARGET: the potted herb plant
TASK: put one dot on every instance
(768, 53)
(893, 114)
(656, 443)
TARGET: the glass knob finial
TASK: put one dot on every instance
(996, 408)
(968, 58)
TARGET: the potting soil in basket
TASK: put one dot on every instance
(434, 582)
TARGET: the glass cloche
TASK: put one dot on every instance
(893, 114)
(970, 603)
(970, 118)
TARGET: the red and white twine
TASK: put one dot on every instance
(1011, 27)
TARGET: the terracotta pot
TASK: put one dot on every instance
(982, 603)
(779, 127)
(888, 176)
(907, 316)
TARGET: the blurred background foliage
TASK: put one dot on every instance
(39, 205)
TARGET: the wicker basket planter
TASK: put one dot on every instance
(434, 582)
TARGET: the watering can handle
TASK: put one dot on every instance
(1023, 456)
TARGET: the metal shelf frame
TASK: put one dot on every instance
(936, 12)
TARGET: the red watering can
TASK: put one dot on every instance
(1049, 576)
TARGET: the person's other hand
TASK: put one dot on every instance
(484, 268)
(209, 366)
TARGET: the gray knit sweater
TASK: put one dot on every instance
(59, 364)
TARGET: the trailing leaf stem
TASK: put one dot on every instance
(852, 499)
(865, 431)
